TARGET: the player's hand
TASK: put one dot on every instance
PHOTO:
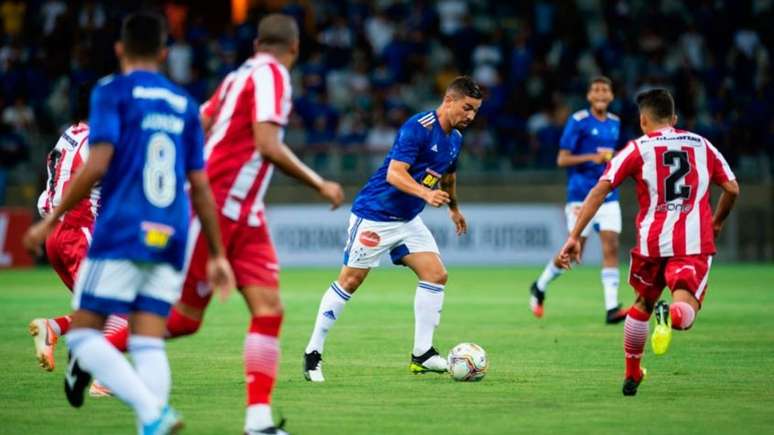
(220, 276)
(570, 252)
(602, 157)
(716, 227)
(436, 198)
(459, 222)
(333, 192)
(36, 235)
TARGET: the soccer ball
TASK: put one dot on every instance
(467, 362)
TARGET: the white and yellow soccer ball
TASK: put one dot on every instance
(467, 362)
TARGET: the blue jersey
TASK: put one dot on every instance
(157, 138)
(430, 152)
(585, 134)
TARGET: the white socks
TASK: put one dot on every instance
(549, 274)
(151, 364)
(610, 281)
(258, 417)
(428, 303)
(106, 364)
(331, 305)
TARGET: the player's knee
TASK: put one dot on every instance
(439, 276)
(682, 314)
(183, 320)
(350, 283)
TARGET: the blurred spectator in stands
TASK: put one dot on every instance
(13, 13)
(180, 62)
(176, 12)
(13, 150)
(92, 16)
(19, 116)
(50, 11)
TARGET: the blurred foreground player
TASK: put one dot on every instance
(587, 144)
(146, 142)
(421, 168)
(676, 228)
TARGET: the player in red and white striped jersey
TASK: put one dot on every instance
(68, 243)
(676, 228)
(244, 122)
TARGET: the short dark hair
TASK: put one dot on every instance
(465, 86)
(143, 34)
(277, 30)
(601, 79)
(658, 102)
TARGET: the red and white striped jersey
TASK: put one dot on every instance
(69, 153)
(258, 91)
(673, 170)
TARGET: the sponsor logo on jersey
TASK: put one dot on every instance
(431, 178)
(156, 235)
(369, 239)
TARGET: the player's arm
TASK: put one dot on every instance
(80, 187)
(206, 123)
(398, 176)
(449, 185)
(571, 250)
(567, 158)
(268, 143)
(725, 204)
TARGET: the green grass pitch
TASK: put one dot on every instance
(560, 374)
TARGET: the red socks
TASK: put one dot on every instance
(635, 336)
(63, 323)
(116, 331)
(682, 315)
(261, 358)
(178, 324)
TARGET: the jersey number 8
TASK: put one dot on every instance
(159, 183)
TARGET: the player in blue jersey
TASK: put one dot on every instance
(146, 142)
(419, 169)
(588, 142)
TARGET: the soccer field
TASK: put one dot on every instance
(560, 374)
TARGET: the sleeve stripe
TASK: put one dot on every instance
(720, 159)
(279, 89)
(617, 162)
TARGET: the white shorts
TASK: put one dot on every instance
(123, 286)
(608, 217)
(368, 240)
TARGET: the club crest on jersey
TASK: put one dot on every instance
(156, 235)
(431, 178)
(369, 239)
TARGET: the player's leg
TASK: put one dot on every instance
(366, 242)
(646, 276)
(608, 219)
(428, 304)
(187, 315)
(420, 253)
(64, 248)
(687, 277)
(261, 354)
(102, 287)
(254, 261)
(331, 306)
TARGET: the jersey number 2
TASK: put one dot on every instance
(158, 176)
(674, 188)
